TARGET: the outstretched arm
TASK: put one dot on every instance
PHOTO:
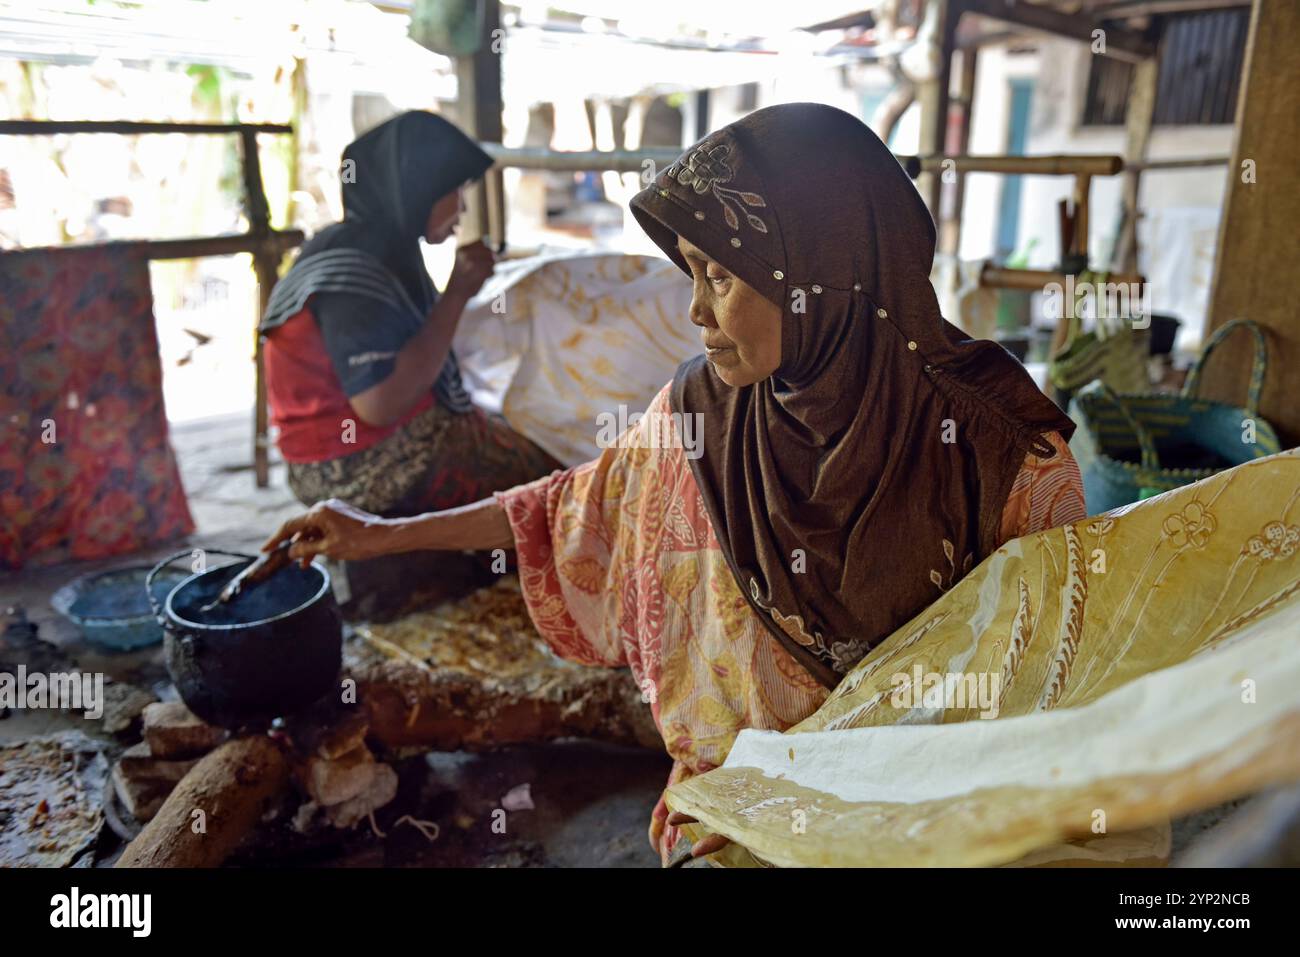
(335, 529)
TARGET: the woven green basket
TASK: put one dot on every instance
(1115, 352)
(1127, 443)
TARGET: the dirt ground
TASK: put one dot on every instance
(591, 801)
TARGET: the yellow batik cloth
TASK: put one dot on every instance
(1147, 665)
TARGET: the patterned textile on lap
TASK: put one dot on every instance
(86, 469)
(620, 566)
(1142, 665)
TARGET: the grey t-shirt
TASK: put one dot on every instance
(362, 336)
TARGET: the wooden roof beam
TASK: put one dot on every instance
(1124, 9)
(1121, 43)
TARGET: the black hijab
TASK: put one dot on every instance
(392, 176)
(850, 489)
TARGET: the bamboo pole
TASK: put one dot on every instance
(934, 95)
(950, 229)
(478, 80)
(1036, 280)
(1187, 162)
(1138, 119)
(1057, 164)
(618, 161)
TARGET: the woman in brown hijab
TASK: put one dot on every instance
(838, 458)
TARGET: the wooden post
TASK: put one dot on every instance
(265, 265)
(934, 99)
(1141, 109)
(1255, 274)
(950, 228)
(255, 204)
(478, 79)
(1082, 188)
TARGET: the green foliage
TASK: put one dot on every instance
(207, 88)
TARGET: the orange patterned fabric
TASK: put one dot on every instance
(620, 567)
(1046, 493)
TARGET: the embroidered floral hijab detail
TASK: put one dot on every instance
(704, 169)
(839, 456)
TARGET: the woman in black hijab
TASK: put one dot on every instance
(363, 385)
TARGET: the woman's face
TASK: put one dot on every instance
(445, 216)
(741, 330)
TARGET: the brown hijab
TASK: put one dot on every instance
(868, 474)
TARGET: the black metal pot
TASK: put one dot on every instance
(272, 652)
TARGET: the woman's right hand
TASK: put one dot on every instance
(334, 529)
(474, 264)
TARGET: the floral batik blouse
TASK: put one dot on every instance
(620, 566)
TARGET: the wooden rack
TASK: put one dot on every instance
(266, 245)
(1082, 166)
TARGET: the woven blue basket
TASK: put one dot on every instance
(1126, 442)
